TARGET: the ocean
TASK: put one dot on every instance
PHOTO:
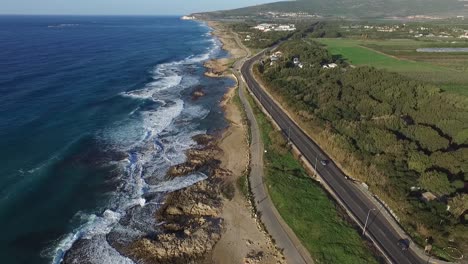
(94, 110)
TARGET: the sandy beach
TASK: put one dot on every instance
(211, 221)
(243, 239)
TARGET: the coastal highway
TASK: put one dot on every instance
(354, 200)
(293, 250)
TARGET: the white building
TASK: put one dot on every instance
(264, 27)
(290, 27)
(274, 27)
(296, 61)
(188, 18)
(279, 54)
(330, 66)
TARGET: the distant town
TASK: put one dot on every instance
(275, 27)
(412, 30)
(272, 14)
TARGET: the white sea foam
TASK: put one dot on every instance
(160, 83)
(179, 183)
(95, 225)
(146, 124)
(103, 253)
(155, 138)
(195, 111)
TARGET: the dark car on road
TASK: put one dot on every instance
(403, 244)
(324, 162)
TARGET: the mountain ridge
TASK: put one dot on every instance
(353, 8)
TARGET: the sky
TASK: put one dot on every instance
(120, 7)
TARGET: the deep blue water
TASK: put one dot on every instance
(93, 111)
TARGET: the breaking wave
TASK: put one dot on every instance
(155, 137)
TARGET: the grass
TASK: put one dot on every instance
(306, 207)
(242, 181)
(243, 185)
(447, 71)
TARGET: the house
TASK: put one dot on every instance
(330, 66)
(296, 61)
(188, 18)
(290, 27)
(269, 27)
(274, 58)
(428, 196)
(278, 54)
(265, 27)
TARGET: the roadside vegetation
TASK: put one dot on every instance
(257, 40)
(305, 206)
(403, 137)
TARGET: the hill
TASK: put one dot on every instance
(352, 8)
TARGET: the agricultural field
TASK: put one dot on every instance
(448, 71)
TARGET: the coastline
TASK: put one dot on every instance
(211, 221)
(243, 239)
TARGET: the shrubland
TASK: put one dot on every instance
(401, 136)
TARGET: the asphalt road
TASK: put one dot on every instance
(354, 200)
(284, 237)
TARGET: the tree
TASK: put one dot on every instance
(459, 205)
(436, 182)
(458, 184)
(418, 161)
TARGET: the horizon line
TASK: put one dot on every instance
(65, 14)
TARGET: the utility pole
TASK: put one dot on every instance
(289, 133)
(367, 218)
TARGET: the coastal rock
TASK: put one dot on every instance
(181, 169)
(196, 159)
(220, 173)
(216, 68)
(253, 257)
(186, 237)
(198, 93)
(171, 248)
(203, 139)
(201, 209)
(174, 211)
(191, 223)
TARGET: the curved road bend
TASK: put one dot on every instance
(356, 202)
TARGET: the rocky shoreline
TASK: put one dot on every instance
(191, 218)
(210, 221)
(207, 222)
(191, 222)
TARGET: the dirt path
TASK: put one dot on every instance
(243, 240)
(293, 250)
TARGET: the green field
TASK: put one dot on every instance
(306, 207)
(447, 71)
